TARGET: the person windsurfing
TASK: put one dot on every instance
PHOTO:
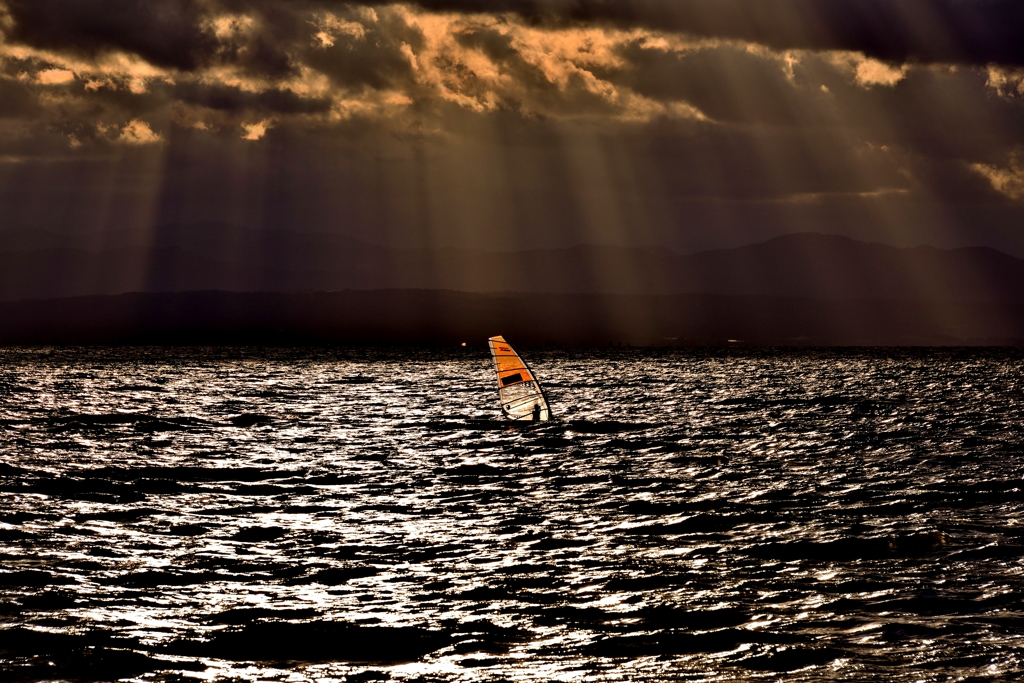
(520, 393)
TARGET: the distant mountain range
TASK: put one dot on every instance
(445, 317)
(217, 256)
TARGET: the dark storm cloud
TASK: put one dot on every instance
(228, 98)
(178, 34)
(169, 34)
(341, 60)
(175, 34)
(952, 31)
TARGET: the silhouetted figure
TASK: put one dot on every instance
(536, 412)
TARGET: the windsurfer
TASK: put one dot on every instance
(520, 393)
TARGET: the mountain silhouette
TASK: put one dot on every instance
(218, 256)
(450, 318)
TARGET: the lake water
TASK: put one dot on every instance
(347, 514)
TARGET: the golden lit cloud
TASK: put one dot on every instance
(867, 72)
(491, 63)
(330, 26)
(873, 72)
(1006, 82)
(1008, 180)
(55, 76)
(137, 132)
(408, 69)
(225, 26)
(482, 63)
(255, 131)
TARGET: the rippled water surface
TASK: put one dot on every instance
(364, 515)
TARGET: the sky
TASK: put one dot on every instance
(511, 124)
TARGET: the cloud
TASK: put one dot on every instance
(167, 34)
(1007, 180)
(236, 98)
(867, 72)
(255, 131)
(871, 72)
(487, 64)
(774, 101)
(331, 26)
(55, 76)
(214, 64)
(331, 66)
(137, 132)
(409, 67)
(1007, 83)
(975, 32)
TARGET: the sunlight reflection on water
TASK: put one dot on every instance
(693, 515)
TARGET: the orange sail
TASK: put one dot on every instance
(520, 393)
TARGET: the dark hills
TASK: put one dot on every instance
(217, 256)
(447, 317)
(215, 283)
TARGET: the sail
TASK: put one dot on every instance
(521, 395)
